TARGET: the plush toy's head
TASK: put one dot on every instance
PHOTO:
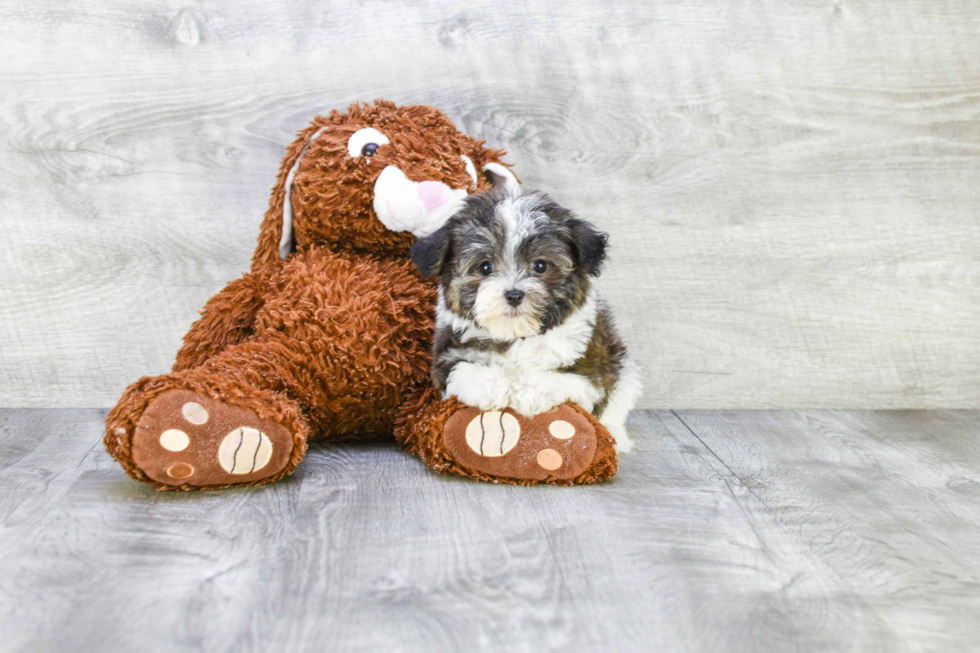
(372, 180)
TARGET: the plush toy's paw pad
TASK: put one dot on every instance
(187, 439)
(559, 444)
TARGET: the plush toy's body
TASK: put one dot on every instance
(335, 341)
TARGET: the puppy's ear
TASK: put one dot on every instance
(429, 254)
(588, 244)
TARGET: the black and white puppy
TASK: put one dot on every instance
(519, 322)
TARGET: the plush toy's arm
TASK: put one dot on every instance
(227, 319)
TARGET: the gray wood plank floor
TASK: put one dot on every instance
(731, 531)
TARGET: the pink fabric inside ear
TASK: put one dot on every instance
(434, 194)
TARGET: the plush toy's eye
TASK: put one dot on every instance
(365, 142)
(486, 268)
(539, 266)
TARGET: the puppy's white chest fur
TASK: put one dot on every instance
(525, 376)
(559, 347)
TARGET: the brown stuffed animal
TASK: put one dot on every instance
(328, 336)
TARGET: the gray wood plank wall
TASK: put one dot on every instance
(791, 187)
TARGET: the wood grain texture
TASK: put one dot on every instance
(887, 500)
(790, 187)
(724, 531)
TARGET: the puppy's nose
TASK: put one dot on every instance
(514, 297)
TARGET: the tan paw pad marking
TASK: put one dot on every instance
(493, 434)
(244, 450)
(549, 459)
(561, 429)
(194, 412)
(174, 440)
(180, 470)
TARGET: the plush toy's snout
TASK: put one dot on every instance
(416, 207)
(422, 207)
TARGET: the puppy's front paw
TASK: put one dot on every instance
(536, 394)
(539, 392)
(530, 403)
(479, 387)
(495, 396)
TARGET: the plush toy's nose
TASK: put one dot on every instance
(434, 194)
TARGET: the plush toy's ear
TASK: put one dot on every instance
(501, 177)
(276, 240)
(287, 243)
(429, 254)
(589, 245)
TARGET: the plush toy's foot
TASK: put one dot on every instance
(171, 431)
(559, 444)
(565, 446)
(184, 438)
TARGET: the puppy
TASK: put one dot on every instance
(519, 322)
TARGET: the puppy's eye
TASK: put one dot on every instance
(539, 266)
(486, 268)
